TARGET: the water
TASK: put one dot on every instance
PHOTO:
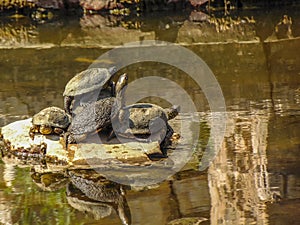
(254, 179)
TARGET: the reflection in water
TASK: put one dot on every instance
(238, 177)
(49, 181)
(179, 27)
(9, 174)
(256, 61)
(235, 189)
(97, 188)
(79, 201)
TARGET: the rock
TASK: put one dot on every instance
(128, 153)
(16, 141)
(131, 163)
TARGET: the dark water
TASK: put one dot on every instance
(255, 178)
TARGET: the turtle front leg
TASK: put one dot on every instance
(67, 103)
(70, 138)
(58, 131)
(66, 139)
(113, 88)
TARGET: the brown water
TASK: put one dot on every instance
(255, 178)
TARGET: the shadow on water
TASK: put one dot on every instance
(255, 178)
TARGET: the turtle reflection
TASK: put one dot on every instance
(49, 181)
(90, 191)
(86, 191)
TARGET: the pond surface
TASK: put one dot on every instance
(255, 177)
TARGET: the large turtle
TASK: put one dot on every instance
(145, 122)
(96, 116)
(87, 84)
(51, 120)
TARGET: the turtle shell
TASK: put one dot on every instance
(87, 81)
(97, 115)
(93, 116)
(141, 116)
(52, 116)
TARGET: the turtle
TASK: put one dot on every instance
(145, 122)
(51, 120)
(96, 116)
(87, 84)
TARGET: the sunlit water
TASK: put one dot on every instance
(254, 179)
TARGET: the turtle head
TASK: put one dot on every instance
(173, 111)
(121, 84)
(120, 90)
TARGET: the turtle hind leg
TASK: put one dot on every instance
(166, 141)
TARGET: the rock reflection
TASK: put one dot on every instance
(238, 177)
(5, 212)
(189, 27)
(9, 174)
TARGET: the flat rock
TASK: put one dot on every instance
(16, 141)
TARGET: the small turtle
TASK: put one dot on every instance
(48, 121)
(145, 122)
(95, 116)
(84, 84)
